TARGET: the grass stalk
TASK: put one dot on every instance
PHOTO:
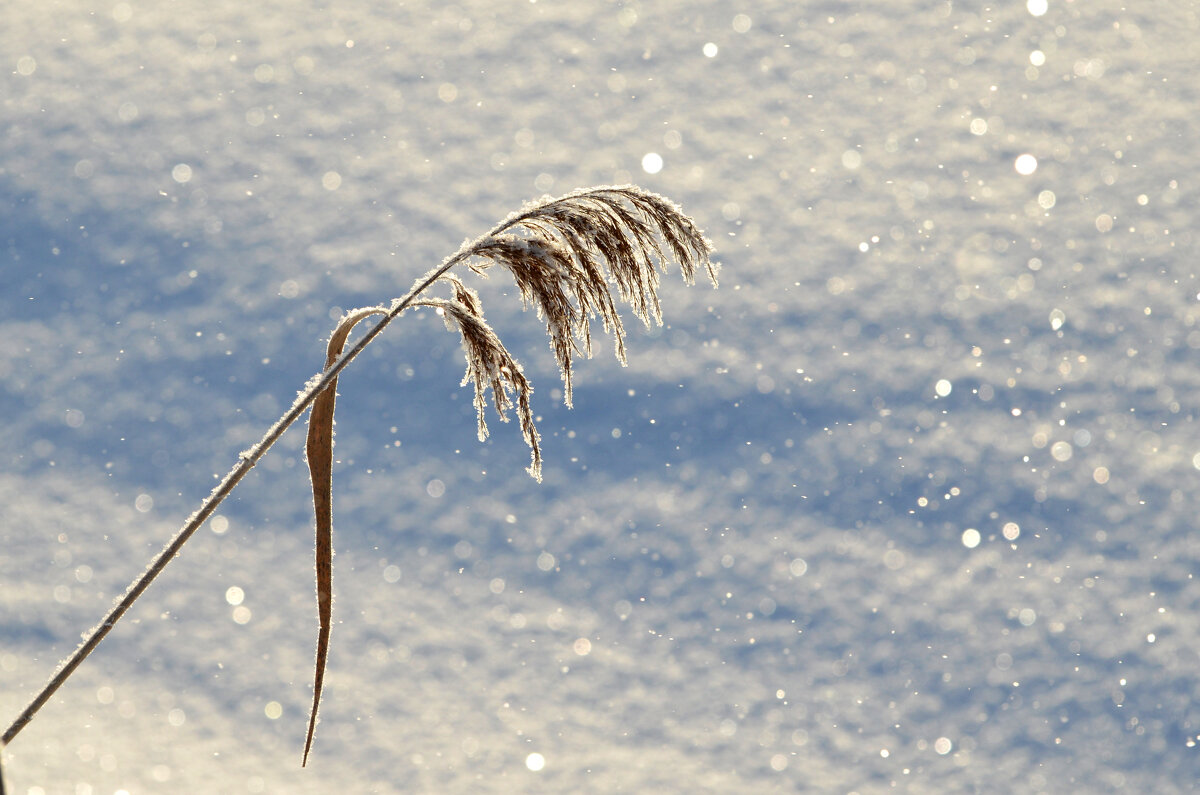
(566, 256)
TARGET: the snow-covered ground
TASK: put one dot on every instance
(906, 505)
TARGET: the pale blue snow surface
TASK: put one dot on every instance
(907, 504)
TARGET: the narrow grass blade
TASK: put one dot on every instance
(319, 451)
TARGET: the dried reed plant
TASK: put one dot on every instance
(565, 255)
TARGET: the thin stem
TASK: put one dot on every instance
(246, 462)
(249, 458)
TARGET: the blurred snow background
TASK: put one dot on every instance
(906, 505)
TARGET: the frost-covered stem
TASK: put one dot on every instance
(315, 387)
(246, 462)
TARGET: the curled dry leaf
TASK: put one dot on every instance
(319, 452)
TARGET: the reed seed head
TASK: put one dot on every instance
(566, 256)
